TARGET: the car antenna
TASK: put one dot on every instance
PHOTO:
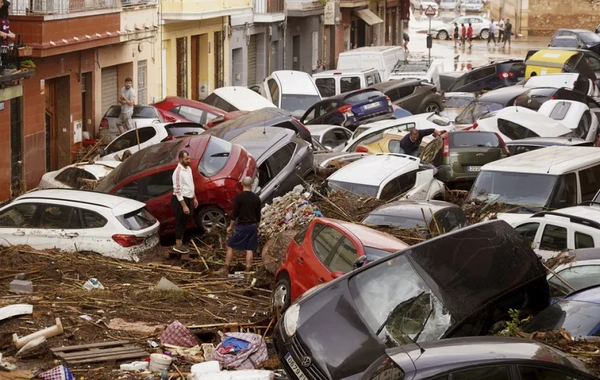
(551, 161)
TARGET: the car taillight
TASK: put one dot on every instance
(301, 125)
(104, 123)
(362, 149)
(168, 138)
(553, 97)
(446, 150)
(503, 144)
(345, 108)
(127, 240)
(507, 75)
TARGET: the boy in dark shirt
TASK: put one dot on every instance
(411, 143)
(246, 217)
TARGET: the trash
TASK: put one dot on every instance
(47, 333)
(193, 354)
(164, 374)
(93, 283)
(20, 276)
(138, 327)
(211, 366)
(6, 366)
(178, 335)
(153, 344)
(99, 352)
(58, 373)
(14, 310)
(250, 351)
(165, 284)
(134, 366)
(86, 317)
(20, 286)
(208, 349)
(26, 349)
(248, 374)
(287, 212)
(158, 362)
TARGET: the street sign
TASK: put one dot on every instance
(430, 11)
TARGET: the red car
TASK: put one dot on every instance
(218, 167)
(174, 109)
(325, 250)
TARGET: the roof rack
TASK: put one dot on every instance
(589, 203)
(572, 218)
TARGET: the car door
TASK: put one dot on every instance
(282, 174)
(554, 239)
(17, 222)
(529, 232)
(96, 237)
(59, 227)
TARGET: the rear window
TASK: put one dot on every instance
(353, 189)
(560, 110)
(362, 96)
(137, 220)
(113, 111)
(215, 157)
(475, 110)
(474, 139)
(216, 101)
(184, 129)
(140, 112)
(74, 177)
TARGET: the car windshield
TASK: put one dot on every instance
(438, 120)
(298, 104)
(362, 96)
(474, 140)
(457, 102)
(577, 317)
(564, 42)
(374, 254)
(475, 110)
(532, 191)
(589, 37)
(350, 188)
(395, 221)
(398, 314)
(215, 157)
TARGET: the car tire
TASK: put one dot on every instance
(281, 296)
(484, 34)
(210, 217)
(431, 106)
(442, 35)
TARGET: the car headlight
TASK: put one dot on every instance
(290, 319)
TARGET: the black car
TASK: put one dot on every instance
(489, 102)
(458, 284)
(266, 117)
(477, 358)
(534, 143)
(414, 95)
(350, 109)
(489, 77)
(535, 97)
(588, 39)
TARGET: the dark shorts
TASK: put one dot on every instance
(244, 238)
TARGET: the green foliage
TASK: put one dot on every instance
(27, 62)
(513, 326)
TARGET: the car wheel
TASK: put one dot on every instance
(211, 217)
(442, 35)
(280, 299)
(432, 107)
(484, 34)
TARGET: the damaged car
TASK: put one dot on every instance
(83, 175)
(455, 285)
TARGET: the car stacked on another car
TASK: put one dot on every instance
(333, 137)
(534, 143)
(415, 96)
(489, 77)
(83, 175)
(173, 109)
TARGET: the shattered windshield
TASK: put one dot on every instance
(475, 110)
(399, 312)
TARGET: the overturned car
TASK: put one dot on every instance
(458, 284)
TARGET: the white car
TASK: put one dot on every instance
(397, 177)
(475, 6)
(449, 5)
(237, 98)
(142, 116)
(332, 137)
(574, 81)
(516, 123)
(575, 115)
(136, 140)
(374, 131)
(293, 91)
(77, 176)
(79, 221)
(445, 30)
(567, 228)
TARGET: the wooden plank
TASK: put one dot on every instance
(109, 358)
(92, 345)
(232, 324)
(91, 354)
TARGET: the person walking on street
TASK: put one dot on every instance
(507, 33)
(246, 217)
(411, 143)
(456, 34)
(184, 200)
(492, 32)
(127, 101)
(501, 25)
(470, 35)
(406, 39)
(463, 34)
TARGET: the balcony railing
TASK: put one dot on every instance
(268, 6)
(58, 7)
(304, 5)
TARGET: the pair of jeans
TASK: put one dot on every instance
(181, 218)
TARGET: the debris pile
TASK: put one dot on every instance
(338, 205)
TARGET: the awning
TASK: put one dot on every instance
(367, 16)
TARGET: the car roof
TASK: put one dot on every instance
(412, 209)
(591, 213)
(97, 168)
(383, 86)
(176, 101)
(588, 294)
(371, 49)
(460, 352)
(574, 30)
(537, 122)
(576, 109)
(295, 82)
(368, 236)
(548, 141)
(387, 165)
(555, 160)
(328, 73)
(119, 205)
(257, 118)
(259, 140)
(503, 95)
(240, 97)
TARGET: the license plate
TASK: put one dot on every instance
(473, 168)
(294, 367)
(371, 106)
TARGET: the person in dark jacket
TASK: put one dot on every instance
(411, 143)
(246, 217)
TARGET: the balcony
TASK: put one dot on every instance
(268, 11)
(14, 68)
(300, 8)
(189, 10)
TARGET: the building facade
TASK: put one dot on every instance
(304, 35)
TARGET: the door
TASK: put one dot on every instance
(142, 79)
(96, 237)
(51, 126)
(251, 73)
(16, 147)
(296, 53)
(182, 69)
(59, 227)
(281, 180)
(195, 67)
(86, 103)
(16, 222)
(110, 87)
(219, 59)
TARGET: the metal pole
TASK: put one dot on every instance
(429, 35)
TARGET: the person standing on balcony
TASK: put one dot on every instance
(5, 32)
(127, 101)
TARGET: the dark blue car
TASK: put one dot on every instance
(350, 109)
(489, 77)
(578, 313)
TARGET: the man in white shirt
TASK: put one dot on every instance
(492, 33)
(500, 30)
(183, 200)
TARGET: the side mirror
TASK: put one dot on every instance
(360, 261)
(337, 274)
(101, 152)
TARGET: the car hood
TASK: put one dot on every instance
(324, 159)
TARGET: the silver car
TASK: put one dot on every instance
(449, 5)
(480, 27)
(472, 6)
(142, 116)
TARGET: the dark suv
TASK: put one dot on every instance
(489, 77)
(535, 97)
(415, 96)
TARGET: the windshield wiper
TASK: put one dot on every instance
(222, 154)
(410, 300)
(424, 324)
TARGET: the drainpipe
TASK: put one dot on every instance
(284, 23)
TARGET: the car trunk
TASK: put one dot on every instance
(471, 159)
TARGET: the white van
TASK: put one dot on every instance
(293, 91)
(335, 82)
(542, 179)
(237, 98)
(382, 58)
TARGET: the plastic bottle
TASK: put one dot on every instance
(164, 374)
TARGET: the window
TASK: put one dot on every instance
(583, 240)
(329, 139)
(349, 84)
(326, 86)
(537, 373)
(325, 241)
(137, 220)
(370, 80)
(394, 146)
(274, 91)
(528, 231)
(578, 277)
(390, 190)
(20, 215)
(589, 181)
(405, 91)
(565, 192)
(315, 47)
(299, 237)
(481, 140)
(554, 238)
(281, 159)
(514, 131)
(130, 139)
(92, 219)
(192, 114)
(344, 257)
(320, 109)
(481, 73)
(141, 82)
(215, 157)
(449, 220)
(129, 190)
(483, 373)
(73, 177)
(584, 125)
(60, 217)
(216, 101)
(159, 183)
